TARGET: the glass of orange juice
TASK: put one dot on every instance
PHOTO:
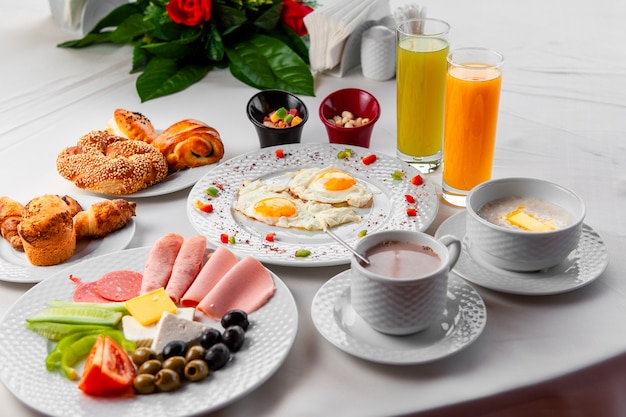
(471, 115)
(421, 49)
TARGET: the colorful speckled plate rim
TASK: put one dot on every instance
(389, 210)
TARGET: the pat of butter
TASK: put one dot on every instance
(148, 308)
(527, 222)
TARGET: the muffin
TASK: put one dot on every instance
(47, 230)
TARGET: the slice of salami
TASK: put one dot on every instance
(86, 292)
(119, 285)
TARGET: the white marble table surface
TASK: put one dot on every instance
(562, 118)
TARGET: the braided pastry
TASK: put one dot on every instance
(131, 125)
(108, 164)
(189, 143)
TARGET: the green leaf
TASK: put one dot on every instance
(140, 58)
(228, 18)
(214, 47)
(163, 76)
(174, 49)
(118, 15)
(264, 62)
(268, 20)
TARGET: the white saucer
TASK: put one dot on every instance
(583, 265)
(461, 323)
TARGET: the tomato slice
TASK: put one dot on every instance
(108, 369)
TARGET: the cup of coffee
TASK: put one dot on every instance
(404, 288)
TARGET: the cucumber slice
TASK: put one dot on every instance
(56, 331)
(113, 306)
(78, 315)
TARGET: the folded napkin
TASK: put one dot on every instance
(67, 13)
(330, 26)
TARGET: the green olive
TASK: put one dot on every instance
(143, 354)
(144, 383)
(167, 380)
(196, 370)
(151, 366)
(195, 352)
(175, 363)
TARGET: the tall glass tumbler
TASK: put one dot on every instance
(471, 116)
(421, 49)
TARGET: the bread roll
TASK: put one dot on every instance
(10, 218)
(108, 164)
(188, 144)
(47, 231)
(131, 125)
(103, 217)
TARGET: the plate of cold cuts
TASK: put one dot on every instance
(268, 340)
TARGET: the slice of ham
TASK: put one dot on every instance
(120, 285)
(86, 292)
(187, 265)
(246, 286)
(160, 261)
(216, 267)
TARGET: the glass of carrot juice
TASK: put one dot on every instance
(421, 49)
(471, 114)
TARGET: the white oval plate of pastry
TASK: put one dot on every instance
(174, 181)
(15, 267)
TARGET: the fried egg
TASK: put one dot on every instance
(273, 205)
(329, 185)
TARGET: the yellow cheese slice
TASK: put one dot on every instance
(149, 307)
(527, 222)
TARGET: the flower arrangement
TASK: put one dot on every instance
(264, 43)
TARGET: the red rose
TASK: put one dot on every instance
(189, 12)
(293, 14)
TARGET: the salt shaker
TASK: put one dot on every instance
(378, 53)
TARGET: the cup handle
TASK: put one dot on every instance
(454, 248)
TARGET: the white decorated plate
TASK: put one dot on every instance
(269, 340)
(583, 265)
(15, 267)
(388, 210)
(461, 323)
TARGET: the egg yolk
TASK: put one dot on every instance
(275, 207)
(336, 181)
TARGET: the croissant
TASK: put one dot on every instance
(103, 217)
(188, 144)
(10, 217)
(131, 125)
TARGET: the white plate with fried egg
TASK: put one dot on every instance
(247, 233)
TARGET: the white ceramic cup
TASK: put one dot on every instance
(401, 306)
(378, 53)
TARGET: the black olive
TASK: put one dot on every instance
(235, 318)
(174, 348)
(210, 337)
(167, 380)
(233, 337)
(217, 356)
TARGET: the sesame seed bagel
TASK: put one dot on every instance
(109, 164)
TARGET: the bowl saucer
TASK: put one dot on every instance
(582, 266)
